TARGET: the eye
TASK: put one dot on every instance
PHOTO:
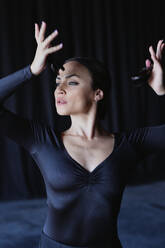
(74, 83)
(70, 83)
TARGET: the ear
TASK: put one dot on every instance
(98, 95)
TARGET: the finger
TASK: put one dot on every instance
(42, 31)
(54, 49)
(36, 31)
(158, 50)
(162, 47)
(148, 63)
(161, 51)
(49, 39)
(152, 53)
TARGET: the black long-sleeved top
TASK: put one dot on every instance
(83, 206)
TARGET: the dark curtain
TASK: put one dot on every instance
(115, 32)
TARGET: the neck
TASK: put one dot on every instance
(86, 126)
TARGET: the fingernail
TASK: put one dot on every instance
(56, 31)
(61, 45)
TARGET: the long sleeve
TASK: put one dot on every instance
(9, 84)
(147, 140)
(20, 130)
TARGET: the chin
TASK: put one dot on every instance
(62, 112)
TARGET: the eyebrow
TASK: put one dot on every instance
(68, 76)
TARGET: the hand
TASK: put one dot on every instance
(156, 78)
(44, 48)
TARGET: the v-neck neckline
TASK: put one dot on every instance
(81, 166)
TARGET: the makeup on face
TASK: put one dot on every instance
(60, 101)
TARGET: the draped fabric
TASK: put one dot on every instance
(115, 32)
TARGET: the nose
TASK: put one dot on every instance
(60, 90)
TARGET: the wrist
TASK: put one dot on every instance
(159, 91)
(33, 70)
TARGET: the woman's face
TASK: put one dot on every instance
(74, 94)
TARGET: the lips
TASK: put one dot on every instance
(61, 101)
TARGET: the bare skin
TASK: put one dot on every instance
(88, 154)
(86, 141)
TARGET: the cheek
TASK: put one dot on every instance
(78, 100)
(82, 99)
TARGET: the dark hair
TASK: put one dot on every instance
(100, 80)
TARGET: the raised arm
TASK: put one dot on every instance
(151, 139)
(147, 140)
(10, 83)
(21, 130)
(155, 80)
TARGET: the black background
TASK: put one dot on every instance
(116, 32)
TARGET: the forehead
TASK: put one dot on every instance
(74, 67)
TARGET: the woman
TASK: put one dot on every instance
(85, 168)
